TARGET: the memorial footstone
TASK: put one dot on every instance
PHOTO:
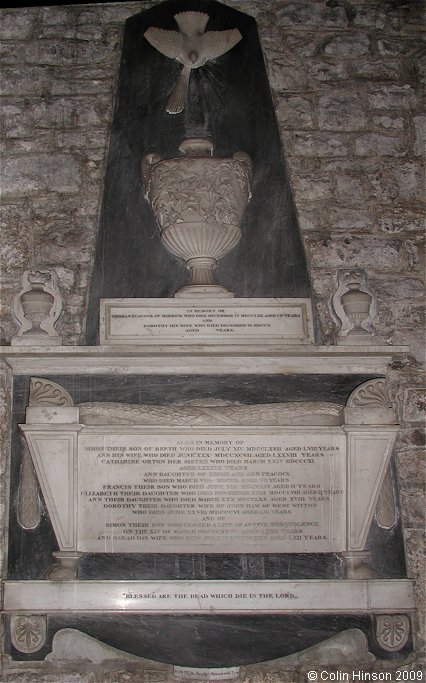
(213, 517)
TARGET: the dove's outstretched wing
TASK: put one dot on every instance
(216, 43)
(169, 43)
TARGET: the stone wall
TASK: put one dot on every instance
(58, 80)
(346, 81)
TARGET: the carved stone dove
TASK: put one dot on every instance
(190, 46)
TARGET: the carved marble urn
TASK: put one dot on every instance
(356, 305)
(36, 304)
(199, 202)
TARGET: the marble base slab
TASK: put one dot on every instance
(220, 321)
(211, 597)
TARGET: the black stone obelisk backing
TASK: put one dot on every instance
(229, 99)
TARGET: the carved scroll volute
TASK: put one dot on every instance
(51, 431)
(50, 403)
(370, 404)
(44, 392)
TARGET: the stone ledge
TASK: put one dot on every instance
(211, 597)
(149, 359)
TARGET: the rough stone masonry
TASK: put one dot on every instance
(346, 77)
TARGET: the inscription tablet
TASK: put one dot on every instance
(129, 321)
(177, 492)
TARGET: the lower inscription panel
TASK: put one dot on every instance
(210, 597)
(272, 490)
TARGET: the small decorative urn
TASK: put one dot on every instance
(199, 202)
(37, 307)
(354, 307)
(356, 304)
(37, 302)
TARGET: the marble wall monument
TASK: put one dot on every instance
(207, 514)
(228, 101)
(209, 487)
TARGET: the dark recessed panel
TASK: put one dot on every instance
(212, 641)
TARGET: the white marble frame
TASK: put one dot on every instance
(54, 451)
(369, 432)
(365, 475)
(245, 338)
(368, 452)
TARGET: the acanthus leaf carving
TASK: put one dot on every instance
(199, 203)
(179, 194)
(392, 631)
(28, 633)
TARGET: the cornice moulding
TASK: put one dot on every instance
(205, 359)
